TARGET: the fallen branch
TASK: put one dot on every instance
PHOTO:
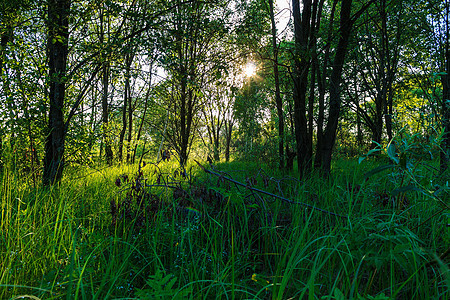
(267, 193)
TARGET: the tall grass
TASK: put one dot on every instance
(224, 243)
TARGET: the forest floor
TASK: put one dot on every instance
(373, 230)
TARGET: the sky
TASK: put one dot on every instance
(284, 13)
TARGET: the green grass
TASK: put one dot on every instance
(216, 241)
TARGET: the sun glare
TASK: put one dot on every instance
(250, 69)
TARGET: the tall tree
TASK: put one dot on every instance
(278, 101)
(58, 48)
(191, 58)
(347, 21)
(103, 37)
(302, 27)
(445, 152)
(378, 64)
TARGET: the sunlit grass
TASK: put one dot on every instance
(60, 242)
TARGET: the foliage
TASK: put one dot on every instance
(170, 231)
(207, 238)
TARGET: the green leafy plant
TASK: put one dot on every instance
(162, 286)
(407, 158)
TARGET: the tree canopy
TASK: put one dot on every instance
(86, 81)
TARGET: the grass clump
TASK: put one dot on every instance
(161, 232)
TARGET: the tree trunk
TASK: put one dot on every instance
(147, 96)
(57, 45)
(301, 69)
(329, 137)
(4, 39)
(377, 131)
(445, 144)
(321, 82)
(105, 85)
(105, 114)
(130, 128)
(228, 130)
(126, 104)
(388, 114)
(278, 101)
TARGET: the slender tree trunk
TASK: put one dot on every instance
(130, 109)
(278, 101)
(105, 94)
(126, 104)
(4, 39)
(105, 114)
(329, 137)
(311, 110)
(301, 60)
(57, 45)
(378, 122)
(228, 130)
(216, 148)
(389, 112)
(321, 82)
(130, 128)
(445, 144)
(147, 96)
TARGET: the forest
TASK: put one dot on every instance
(224, 149)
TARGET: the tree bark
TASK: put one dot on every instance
(57, 44)
(147, 96)
(105, 86)
(321, 82)
(301, 69)
(126, 100)
(329, 137)
(228, 130)
(445, 144)
(130, 111)
(278, 101)
(105, 114)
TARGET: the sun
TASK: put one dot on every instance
(250, 69)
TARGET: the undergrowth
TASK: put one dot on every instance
(161, 232)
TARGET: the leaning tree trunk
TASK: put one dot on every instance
(321, 84)
(57, 45)
(329, 137)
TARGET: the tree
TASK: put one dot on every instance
(445, 145)
(329, 137)
(377, 62)
(192, 58)
(58, 48)
(305, 35)
(103, 36)
(278, 101)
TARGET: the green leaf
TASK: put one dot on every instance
(402, 161)
(361, 158)
(338, 294)
(391, 153)
(404, 189)
(378, 170)
(368, 154)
